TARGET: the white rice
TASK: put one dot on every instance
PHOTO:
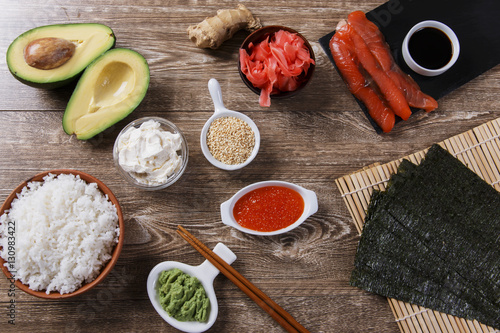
(65, 231)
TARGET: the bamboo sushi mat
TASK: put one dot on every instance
(479, 149)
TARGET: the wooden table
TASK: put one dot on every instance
(310, 139)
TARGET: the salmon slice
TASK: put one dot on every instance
(414, 96)
(377, 45)
(394, 97)
(373, 38)
(343, 54)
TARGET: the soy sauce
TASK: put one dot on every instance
(430, 48)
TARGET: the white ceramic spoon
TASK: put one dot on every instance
(221, 111)
(206, 273)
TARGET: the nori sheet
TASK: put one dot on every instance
(433, 239)
(425, 274)
(453, 215)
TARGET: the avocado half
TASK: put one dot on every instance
(109, 89)
(91, 40)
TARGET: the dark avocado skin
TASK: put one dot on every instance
(48, 86)
(56, 84)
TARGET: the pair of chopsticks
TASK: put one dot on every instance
(273, 309)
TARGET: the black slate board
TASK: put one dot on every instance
(476, 24)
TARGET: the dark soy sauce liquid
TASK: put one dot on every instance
(430, 48)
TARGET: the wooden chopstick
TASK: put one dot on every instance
(259, 297)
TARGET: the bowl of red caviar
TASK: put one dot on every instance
(269, 208)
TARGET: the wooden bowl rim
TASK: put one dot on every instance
(261, 34)
(116, 251)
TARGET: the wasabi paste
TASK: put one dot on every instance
(182, 296)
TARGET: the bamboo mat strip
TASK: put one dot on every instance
(478, 149)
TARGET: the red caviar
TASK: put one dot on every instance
(269, 208)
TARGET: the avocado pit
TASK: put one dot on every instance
(48, 53)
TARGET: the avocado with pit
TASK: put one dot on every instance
(68, 49)
(109, 89)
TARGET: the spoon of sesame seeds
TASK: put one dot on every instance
(229, 139)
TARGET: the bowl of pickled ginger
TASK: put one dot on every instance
(275, 62)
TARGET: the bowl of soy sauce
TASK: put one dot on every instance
(430, 48)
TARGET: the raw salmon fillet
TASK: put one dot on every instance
(375, 41)
(365, 61)
(394, 97)
(342, 50)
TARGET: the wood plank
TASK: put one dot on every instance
(311, 139)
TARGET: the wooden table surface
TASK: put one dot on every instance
(310, 139)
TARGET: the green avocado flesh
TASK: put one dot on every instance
(91, 40)
(109, 90)
(182, 296)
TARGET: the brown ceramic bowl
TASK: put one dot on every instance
(116, 251)
(261, 34)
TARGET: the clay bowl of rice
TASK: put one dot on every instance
(61, 233)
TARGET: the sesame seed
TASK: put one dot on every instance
(230, 140)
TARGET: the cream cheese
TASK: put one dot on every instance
(149, 154)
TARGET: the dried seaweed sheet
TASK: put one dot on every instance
(431, 208)
(433, 239)
(425, 274)
(426, 203)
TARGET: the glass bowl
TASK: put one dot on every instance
(165, 125)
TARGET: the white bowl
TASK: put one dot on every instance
(206, 273)
(310, 207)
(422, 70)
(166, 126)
(221, 111)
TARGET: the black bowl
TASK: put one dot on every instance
(261, 34)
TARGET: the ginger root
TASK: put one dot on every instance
(213, 31)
